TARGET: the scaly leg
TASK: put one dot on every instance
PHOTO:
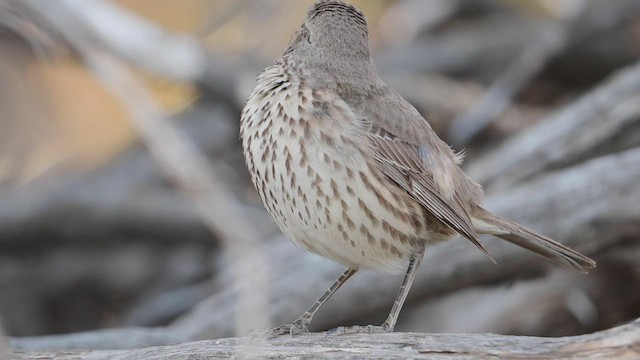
(390, 323)
(414, 263)
(300, 325)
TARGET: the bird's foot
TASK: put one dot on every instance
(369, 329)
(298, 327)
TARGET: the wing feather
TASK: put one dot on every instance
(403, 164)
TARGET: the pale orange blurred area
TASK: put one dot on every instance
(85, 126)
(30, 142)
(68, 119)
(233, 27)
(93, 126)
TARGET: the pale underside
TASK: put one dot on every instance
(312, 164)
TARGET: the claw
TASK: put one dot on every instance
(298, 327)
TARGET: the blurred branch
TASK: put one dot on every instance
(403, 20)
(141, 43)
(576, 132)
(621, 342)
(552, 39)
(181, 161)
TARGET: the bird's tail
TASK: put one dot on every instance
(485, 222)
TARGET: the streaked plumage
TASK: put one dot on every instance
(350, 170)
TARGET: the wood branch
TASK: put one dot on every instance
(581, 130)
(620, 343)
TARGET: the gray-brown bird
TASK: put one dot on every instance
(351, 171)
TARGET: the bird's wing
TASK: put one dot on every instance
(409, 153)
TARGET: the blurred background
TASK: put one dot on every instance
(96, 232)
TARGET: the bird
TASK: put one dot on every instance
(351, 171)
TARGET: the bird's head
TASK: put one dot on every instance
(332, 29)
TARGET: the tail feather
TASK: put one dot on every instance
(488, 223)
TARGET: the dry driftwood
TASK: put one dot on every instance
(618, 343)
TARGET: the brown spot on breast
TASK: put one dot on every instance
(326, 158)
(334, 189)
(306, 130)
(287, 165)
(317, 180)
(367, 184)
(349, 173)
(368, 213)
(350, 224)
(394, 250)
(326, 139)
(350, 191)
(337, 166)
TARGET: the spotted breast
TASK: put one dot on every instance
(308, 161)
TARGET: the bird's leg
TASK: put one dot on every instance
(414, 263)
(300, 325)
(390, 323)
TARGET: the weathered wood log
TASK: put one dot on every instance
(618, 343)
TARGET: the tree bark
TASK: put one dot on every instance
(622, 342)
